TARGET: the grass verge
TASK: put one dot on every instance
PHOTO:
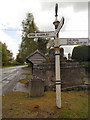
(87, 82)
(20, 105)
(27, 73)
(24, 81)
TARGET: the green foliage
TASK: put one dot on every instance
(41, 45)
(28, 45)
(24, 81)
(19, 58)
(15, 63)
(7, 55)
(28, 73)
(81, 53)
(87, 64)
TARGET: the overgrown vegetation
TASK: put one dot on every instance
(20, 105)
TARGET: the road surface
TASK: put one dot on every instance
(10, 77)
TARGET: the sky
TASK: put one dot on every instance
(13, 12)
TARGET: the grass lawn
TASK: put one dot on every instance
(20, 105)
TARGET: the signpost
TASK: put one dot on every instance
(58, 42)
(74, 41)
(69, 41)
(42, 35)
(60, 25)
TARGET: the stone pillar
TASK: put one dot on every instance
(36, 88)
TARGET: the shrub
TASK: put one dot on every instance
(81, 53)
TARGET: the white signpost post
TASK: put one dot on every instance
(58, 25)
(58, 42)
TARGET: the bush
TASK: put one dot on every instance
(15, 63)
(81, 53)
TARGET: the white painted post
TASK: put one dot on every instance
(58, 80)
(57, 63)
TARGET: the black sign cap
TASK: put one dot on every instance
(56, 10)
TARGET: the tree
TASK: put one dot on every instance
(41, 45)
(7, 55)
(19, 58)
(81, 53)
(28, 45)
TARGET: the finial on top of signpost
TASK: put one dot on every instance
(56, 10)
(56, 22)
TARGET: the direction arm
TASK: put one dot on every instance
(48, 34)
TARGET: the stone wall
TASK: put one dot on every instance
(72, 74)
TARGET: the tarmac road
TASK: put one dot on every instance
(10, 76)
